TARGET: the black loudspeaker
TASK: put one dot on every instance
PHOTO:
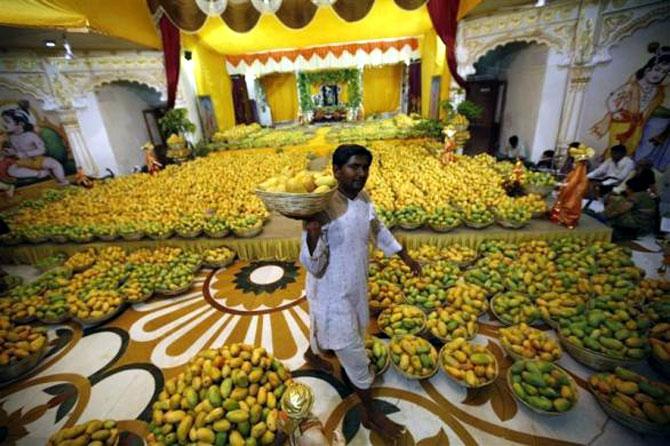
(188, 55)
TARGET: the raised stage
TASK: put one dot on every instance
(280, 240)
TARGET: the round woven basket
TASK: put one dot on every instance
(542, 191)
(91, 322)
(174, 292)
(387, 364)
(549, 413)
(248, 233)
(518, 357)
(295, 205)
(56, 321)
(81, 239)
(415, 331)
(145, 297)
(37, 239)
(462, 382)
(57, 239)
(506, 322)
(409, 226)
(163, 236)
(416, 377)
(511, 225)
(217, 234)
(594, 360)
(474, 225)
(25, 320)
(13, 371)
(221, 264)
(443, 228)
(449, 338)
(638, 425)
(108, 237)
(11, 239)
(132, 236)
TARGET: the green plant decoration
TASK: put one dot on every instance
(175, 121)
(349, 76)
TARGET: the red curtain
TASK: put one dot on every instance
(415, 87)
(171, 54)
(444, 15)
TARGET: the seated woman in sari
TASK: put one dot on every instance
(632, 214)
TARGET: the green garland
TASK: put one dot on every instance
(349, 76)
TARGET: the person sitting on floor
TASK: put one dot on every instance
(632, 214)
(644, 172)
(515, 149)
(546, 160)
(613, 171)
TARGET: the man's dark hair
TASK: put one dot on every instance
(4, 228)
(344, 152)
(574, 144)
(513, 139)
(638, 184)
(619, 148)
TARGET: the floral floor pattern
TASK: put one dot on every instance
(115, 371)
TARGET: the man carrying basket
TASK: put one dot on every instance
(334, 250)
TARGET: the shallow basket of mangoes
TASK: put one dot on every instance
(659, 340)
(523, 342)
(94, 432)
(398, 320)
(413, 357)
(22, 347)
(543, 387)
(633, 400)
(378, 353)
(471, 365)
(450, 323)
(297, 195)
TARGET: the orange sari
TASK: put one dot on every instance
(568, 206)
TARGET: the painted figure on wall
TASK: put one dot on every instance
(34, 148)
(638, 113)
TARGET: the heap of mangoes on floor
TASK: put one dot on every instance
(214, 196)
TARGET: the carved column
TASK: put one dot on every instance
(82, 155)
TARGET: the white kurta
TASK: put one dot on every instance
(337, 278)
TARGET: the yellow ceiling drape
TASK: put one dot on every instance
(281, 93)
(381, 88)
(126, 19)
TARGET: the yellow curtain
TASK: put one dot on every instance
(281, 93)
(212, 79)
(381, 88)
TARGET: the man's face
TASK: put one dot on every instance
(616, 156)
(353, 175)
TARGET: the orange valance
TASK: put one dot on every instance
(323, 51)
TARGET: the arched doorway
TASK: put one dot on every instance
(122, 105)
(508, 83)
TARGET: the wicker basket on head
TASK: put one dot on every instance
(295, 205)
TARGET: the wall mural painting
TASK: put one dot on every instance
(32, 148)
(638, 112)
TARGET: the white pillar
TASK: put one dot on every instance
(548, 117)
(80, 151)
(573, 105)
(187, 97)
(94, 132)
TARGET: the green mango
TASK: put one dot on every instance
(541, 403)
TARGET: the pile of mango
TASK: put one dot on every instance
(489, 248)
(81, 260)
(411, 216)
(216, 227)
(529, 343)
(218, 256)
(175, 278)
(450, 323)
(467, 297)
(459, 254)
(382, 294)
(543, 385)
(614, 335)
(554, 306)
(400, 320)
(91, 433)
(444, 218)
(634, 395)
(19, 341)
(470, 364)
(651, 290)
(377, 353)
(477, 215)
(513, 212)
(413, 356)
(97, 305)
(513, 308)
(659, 339)
(224, 396)
(425, 292)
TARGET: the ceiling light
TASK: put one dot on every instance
(324, 2)
(266, 6)
(212, 7)
(50, 43)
